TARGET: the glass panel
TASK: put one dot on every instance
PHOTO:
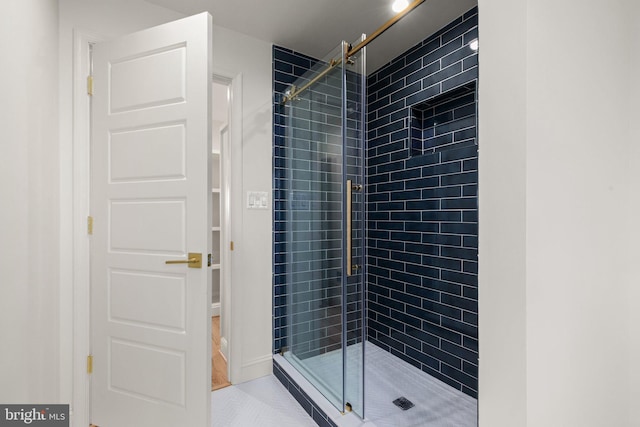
(353, 116)
(314, 153)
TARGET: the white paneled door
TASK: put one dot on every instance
(151, 203)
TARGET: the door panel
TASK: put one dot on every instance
(164, 149)
(132, 364)
(151, 202)
(166, 85)
(129, 302)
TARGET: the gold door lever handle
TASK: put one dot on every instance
(194, 260)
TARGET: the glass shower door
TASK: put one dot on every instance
(324, 156)
(354, 101)
(314, 154)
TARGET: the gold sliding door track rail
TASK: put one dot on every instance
(352, 50)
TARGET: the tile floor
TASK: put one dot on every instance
(436, 404)
(259, 403)
(266, 403)
(386, 379)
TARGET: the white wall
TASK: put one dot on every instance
(502, 214)
(578, 181)
(29, 193)
(236, 54)
(633, 249)
(558, 172)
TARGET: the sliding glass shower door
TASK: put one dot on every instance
(325, 227)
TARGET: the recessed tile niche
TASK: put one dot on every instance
(443, 121)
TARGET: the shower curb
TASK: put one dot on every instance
(308, 404)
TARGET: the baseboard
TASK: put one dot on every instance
(257, 368)
(224, 349)
(215, 309)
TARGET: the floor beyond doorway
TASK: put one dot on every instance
(218, 364)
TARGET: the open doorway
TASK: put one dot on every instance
(221, 225)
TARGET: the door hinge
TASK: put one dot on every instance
(89, 225)
(89, 364)
(231, 245)
(90, 85)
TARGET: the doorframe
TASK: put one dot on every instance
(82, 40)
(80, 381)
(234, 345)
(225, 230)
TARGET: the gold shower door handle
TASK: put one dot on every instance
(194, 260)
(350, 266)
(349, 228)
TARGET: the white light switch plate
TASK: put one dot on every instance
(257, 200)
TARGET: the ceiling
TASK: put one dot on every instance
(315, 27)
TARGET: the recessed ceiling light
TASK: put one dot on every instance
(473, 44)
(400, 5)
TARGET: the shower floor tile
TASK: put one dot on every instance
(388, 378)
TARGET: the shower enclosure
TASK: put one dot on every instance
(414, 321)
(325, 227)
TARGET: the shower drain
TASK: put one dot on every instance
(403, 403)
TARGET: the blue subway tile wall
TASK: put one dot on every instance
(422, 206)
